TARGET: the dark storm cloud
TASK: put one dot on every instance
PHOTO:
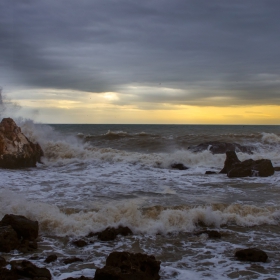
(211, 52)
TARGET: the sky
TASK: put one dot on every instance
(148, 61)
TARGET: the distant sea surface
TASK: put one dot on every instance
(95, 176)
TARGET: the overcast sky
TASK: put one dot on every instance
(69, 60)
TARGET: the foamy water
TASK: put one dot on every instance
(93, 177)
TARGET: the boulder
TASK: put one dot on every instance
(16, 150)
(111, 233)
(24, 227)
(28, 269)
(233, 167)
(216, 147)
(8, 239)
(129, 266)
(251, 254)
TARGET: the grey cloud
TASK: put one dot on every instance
(205, 48)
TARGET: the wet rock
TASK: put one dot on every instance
(276, 168)
(233, 167)
(2, 262)
(80, 243)
(231, 159)
(251, 254)
(210, 172)
(129, 266)
(24, 227)
(72, 260)
(27, 246)
(179, 166)
(50, 258)
(8, 239)
(216, 147)
(211, 233)
(6, 274)
(16, 151)
(27, 269)
(111, 233)
(80, 278)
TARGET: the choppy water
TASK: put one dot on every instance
(96, 176)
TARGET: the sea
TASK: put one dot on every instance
(98, 176)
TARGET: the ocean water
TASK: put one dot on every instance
(95, 176)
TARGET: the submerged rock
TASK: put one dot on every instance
(16, 150)
(50, 258)
(233, 167)
(111, 233)
(80, 243)
(72, 260)
(211, 233)
(251, 254)
(179, 166)
(129, 266)
(216, 147)
(210, 172)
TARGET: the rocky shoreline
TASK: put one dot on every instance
(19, 233)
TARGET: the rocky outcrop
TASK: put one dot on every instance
(251, 254)
(233, 167)
(16, 151)
(129, 266)
(216, 147)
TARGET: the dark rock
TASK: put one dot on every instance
(6, 274)
(261, 167)
(211, 233)
(111, 233)
(231, 159)
(216, 147)
(8, 239)
(276, 168)
(24, 227)
(179, 166)
(72, 260)
(80, 278)
(2, 262)
(16, 151)
(210, 172)
(233, 167)
(27, 246)
(28, 269)
(251, 254)
(128, 266)
(50, 258)
(80, 243)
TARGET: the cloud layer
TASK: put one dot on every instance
(149, 53)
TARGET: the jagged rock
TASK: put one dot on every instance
(129, 266)
(231, 159)
(210, 172)
(24, 227)
(72, 260)
(50, 258)
(16, 151)
(216, 147)
(80, 243)
(8, 239)
(251, 254)
(233, 167)
(179, 166)
(111, 233)
(211, 233)
(28, 269)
